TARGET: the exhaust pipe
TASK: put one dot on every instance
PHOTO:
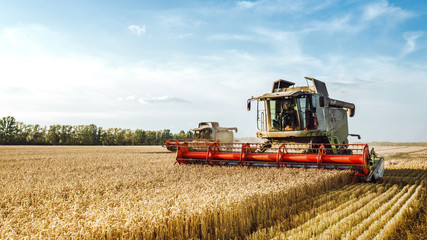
(337, 103)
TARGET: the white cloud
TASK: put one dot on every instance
(383, 9)
(24, 39)
(288, 45)
(138, 30)
(25, 32)
(354, 22)
(246, 4)
(225, 36)
(173, 21)
(186, 35)
(162, 99)
(288, 6)
(218, 83)
(341, 24)
(411, 41)
(131, 97)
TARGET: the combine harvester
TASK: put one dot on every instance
(204, 135)
(303, 128)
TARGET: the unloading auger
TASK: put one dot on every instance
(302, 127)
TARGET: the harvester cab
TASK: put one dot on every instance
(302, 114)
(302, 127)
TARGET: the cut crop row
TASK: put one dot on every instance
(363, 215)
(312, 206)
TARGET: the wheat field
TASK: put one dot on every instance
(139, 193)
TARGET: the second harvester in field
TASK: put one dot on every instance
(206, 133)
(302, 127)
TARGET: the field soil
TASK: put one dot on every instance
(139, 192)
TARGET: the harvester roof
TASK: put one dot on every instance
(283, 94)
(283, 88)
(212, 125)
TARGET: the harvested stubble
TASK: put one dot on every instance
(406, 167)
(393, 209)
(137, 192)
(409, 157)
(375, 211)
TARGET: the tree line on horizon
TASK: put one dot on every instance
(13, 132)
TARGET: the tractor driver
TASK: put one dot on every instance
(289, 116)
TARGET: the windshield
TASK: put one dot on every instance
(291, 114)
(203, 134)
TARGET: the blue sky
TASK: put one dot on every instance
(170, 64)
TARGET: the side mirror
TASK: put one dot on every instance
(355, 135)
(249, 104)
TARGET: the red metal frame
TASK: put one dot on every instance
(174, 144)
(177, 142)
(355, 156)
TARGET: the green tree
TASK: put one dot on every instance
(166, 134)
(54, 135)
(140, 137)
(66, 135)
(22, 133)
(108, 137)
(181, 135)
(151, 138)
(13, 132)
(123, 137)
(37, 135)
(8, 130)
(89, 135)
(129, 137)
